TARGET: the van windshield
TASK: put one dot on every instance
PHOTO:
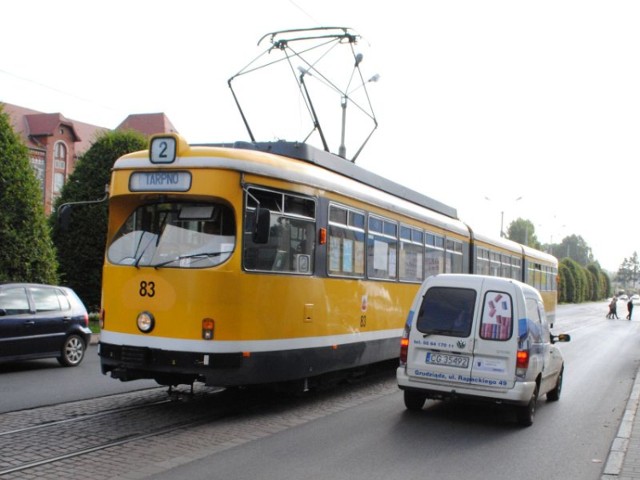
(447, 311)
(177, 235)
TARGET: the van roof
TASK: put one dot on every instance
(474, 281)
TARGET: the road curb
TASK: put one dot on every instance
(620, 444)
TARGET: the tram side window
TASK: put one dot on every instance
(506, 266)
(551, 279)
(382, 245)
(516, 268)
(434, 254)
(346, 242)
(494, 264)
(534, 275)
(482, 261)
(454, 256)
(292, 230)
(411, 254)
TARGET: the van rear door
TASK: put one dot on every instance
(495, 347)
(441, 346)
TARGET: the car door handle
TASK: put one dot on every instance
(29, 322)
(66, 319)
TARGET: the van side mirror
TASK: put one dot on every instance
(262, 225)
(3, 312)
(563, 337)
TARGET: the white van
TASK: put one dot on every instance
(479, 337)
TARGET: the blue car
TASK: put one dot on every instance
(42, 321)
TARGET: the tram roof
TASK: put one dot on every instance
(329, 161)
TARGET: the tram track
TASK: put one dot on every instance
(104, 446)
(73, 436)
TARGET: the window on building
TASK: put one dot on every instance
(39, 168)
(60, 156)
(58, 182)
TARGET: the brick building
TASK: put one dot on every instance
(55, 142)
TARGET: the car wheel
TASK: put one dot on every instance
(526, 413)
(554, 395)
(72, 351)
(414, 401)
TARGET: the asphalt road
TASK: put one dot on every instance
(38, 383)
(381, 440)
(354, 433)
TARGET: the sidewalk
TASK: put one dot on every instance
(623, 462)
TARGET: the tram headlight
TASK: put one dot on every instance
(145, 322)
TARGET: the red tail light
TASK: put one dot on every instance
(404, 348)
(522, 359)
(86, 319)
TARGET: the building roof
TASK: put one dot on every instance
(45, 124)
(148, 123)
(31, 124)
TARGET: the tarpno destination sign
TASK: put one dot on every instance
(163, 181)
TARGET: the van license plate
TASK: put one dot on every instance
(446, 359)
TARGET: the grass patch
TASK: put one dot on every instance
(94, 322)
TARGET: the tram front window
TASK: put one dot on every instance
(176, 235)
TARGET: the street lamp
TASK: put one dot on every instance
(502, 234)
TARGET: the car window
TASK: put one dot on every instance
(45, 299)
(14, 300)
(447, 311)
(497, 316)
(64, 301)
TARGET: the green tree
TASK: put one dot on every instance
(577, 284)
(523, 231)
(565, 283)
(27, 253)
(574, 247)
(599, 281)
(629, 272)
(81, 245)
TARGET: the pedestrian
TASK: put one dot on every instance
(613, 308)
(629, 308)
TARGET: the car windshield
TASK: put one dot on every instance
(177, 235)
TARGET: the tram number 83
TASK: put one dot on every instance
(147, 289)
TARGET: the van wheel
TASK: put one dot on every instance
(526, 413)
(72, 351)
(554, 395)
(414, 401)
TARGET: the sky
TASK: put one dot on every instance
(500, 109)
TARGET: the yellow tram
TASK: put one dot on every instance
(263, 263)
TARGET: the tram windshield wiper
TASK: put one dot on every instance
(200, 256)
